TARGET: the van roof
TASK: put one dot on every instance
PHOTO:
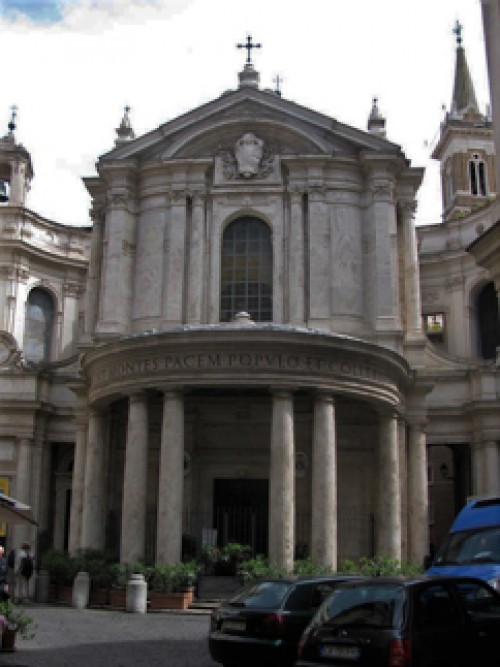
(479, 513)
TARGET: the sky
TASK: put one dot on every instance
(71, 66)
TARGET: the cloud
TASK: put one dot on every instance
(36, 11)
(77, 14)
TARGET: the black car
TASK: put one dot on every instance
(263, 622)
(398, 622)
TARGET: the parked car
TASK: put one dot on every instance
(405, 622)
(472, 547)
(262, 623)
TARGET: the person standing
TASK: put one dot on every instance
(4, 586)
(24, 571)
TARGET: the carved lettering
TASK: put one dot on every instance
(243, 361)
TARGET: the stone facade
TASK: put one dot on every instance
(237, 344)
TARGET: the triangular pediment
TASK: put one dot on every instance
(292, 129)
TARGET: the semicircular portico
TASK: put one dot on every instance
(251, 357)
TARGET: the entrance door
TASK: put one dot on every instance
(241, 512)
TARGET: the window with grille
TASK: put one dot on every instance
(247, 270)
(38, 326)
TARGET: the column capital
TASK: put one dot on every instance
(324, 395)
(282, 392)
(408, 207)
(138, 395)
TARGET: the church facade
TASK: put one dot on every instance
(251, 342)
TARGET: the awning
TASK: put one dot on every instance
(14, 511)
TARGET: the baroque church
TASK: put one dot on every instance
(252, 342)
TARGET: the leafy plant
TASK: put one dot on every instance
(97, 564)
(259, 568)
(61, 567)
(225, 560)
(18, 619)
(166, 578)
(306, 566)
(379, 566)
(120, 573)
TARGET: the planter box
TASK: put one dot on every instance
(9, 639)
(169, 600)
(64, 594)
(99, 597)
(118, 598)
(214, 587)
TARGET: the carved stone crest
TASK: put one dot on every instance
(249, 157)
(248, 151)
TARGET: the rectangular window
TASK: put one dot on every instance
(434, 327)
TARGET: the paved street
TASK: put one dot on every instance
(67, 637)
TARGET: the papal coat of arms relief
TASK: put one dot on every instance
(249, 157)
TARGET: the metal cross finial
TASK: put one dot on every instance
(12, 122)
(458, 32)
(249, 46)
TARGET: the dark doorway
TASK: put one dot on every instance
(489, 326)
(240, 512)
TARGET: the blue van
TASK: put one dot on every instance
(472, 547)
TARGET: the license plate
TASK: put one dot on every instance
(234, 626)
(342, 652)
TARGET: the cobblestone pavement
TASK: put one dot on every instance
(67, 637)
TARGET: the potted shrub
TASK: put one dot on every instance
(15, 621)
(62, 570)
(171, 586)
(97, 564)
(120, 573)
(219, 577)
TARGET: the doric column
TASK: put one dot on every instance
(389, 500)
(22, 532)
(78, 483)
(324, 483)
(296, 260)
(196, 257)
(171, 480)
(413, 307)
(93, 491)
(282, 483)
(133, 533)
(418, 504)
(176, 242)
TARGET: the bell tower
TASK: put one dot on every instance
(16, 171)
(465, 147)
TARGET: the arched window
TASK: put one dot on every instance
(477, 174)
(489, 327)
(38, 326)
(247, 270)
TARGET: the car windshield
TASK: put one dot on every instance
(363, 604)
(470, 547)
(269, 594)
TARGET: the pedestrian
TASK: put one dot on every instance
(24, 571)
(4, 586)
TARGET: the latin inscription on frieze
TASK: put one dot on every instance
(237, 361)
